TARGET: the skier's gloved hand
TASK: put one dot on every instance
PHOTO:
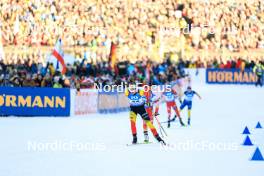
(148, 104)
(180, 101)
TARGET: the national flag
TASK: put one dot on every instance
(112, 56)
(58, 54)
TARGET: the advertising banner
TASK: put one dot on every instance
(230, 76)
(34, 101)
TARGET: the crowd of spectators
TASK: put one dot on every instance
(134, 24)
(85, 73)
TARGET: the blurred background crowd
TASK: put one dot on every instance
(160, 36)
(133, 23)
(84, 74)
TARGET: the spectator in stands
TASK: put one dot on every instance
(259, 71)
(57, 83)
(133, 25)
(28, 82)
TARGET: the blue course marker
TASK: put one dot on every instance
(257, 156)
(246, 131)
(258, 125)
(247, 142)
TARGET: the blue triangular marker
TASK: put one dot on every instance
(257, 156)
(247, 141)
(258, 125)
(246, 131)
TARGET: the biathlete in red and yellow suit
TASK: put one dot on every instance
(151, 98)
(137, 106)
(170, 97)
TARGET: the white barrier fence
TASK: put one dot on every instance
(89, 101)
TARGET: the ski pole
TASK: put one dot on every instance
(160, 126)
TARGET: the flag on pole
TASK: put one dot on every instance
(58, 54)
(112, 56)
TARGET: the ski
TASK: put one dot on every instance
(140, 143)
(171, 120)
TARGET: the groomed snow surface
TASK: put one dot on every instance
(95, 145)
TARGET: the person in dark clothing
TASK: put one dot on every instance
(259, 70)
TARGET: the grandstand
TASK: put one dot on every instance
(197, 72)
(139, 27)
(106, 41)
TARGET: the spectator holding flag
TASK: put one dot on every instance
(57, 57)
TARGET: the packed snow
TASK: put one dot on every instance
(96, 144)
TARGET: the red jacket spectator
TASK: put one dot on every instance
(222, 65)
(228, 65)
(238, 64)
